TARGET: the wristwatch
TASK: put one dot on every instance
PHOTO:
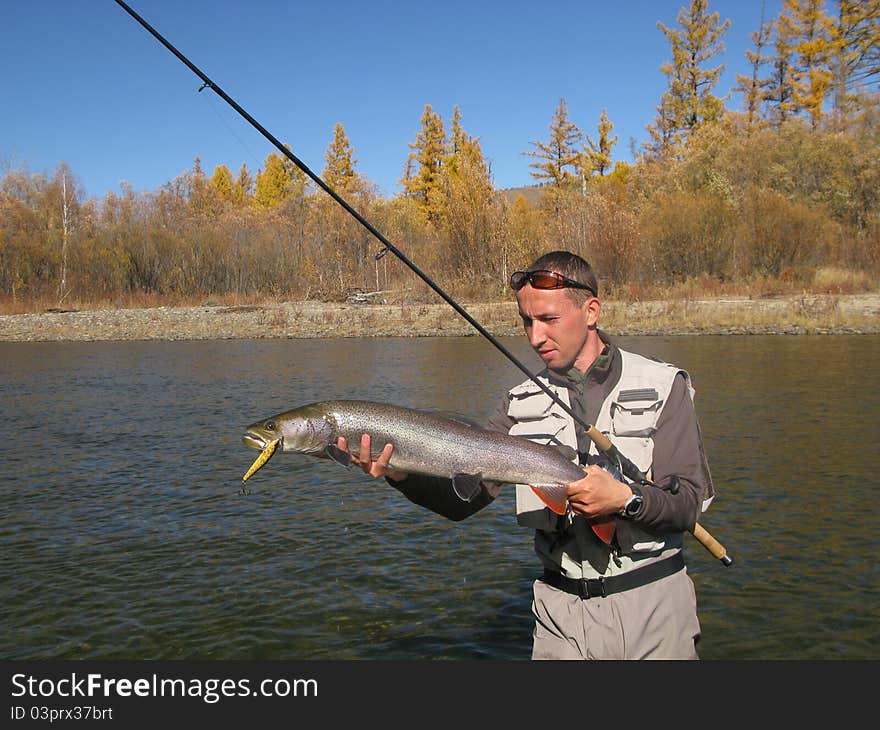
(634, 504)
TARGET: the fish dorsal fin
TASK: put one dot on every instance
(467, 486)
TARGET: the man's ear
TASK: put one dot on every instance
(592, 307)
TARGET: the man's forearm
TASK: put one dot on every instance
(678, 452)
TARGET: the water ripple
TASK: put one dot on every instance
(125, 535)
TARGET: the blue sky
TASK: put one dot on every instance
(84, 83)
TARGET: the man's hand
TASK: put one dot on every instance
(598, 494)
(376, 469)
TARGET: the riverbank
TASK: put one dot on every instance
(803, 314)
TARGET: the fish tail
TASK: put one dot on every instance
(553, 495)
(604, 530)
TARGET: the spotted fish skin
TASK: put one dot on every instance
(424, 443)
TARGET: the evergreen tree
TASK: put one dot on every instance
(778, 94)
(666, 138)
(465, 159)
(244, 185)
(274, 182)
(423, 178)
(339, 171)
(755, 88)
(459, 137)
(856, 52)
(689, 101)
(201, 197)
(597, 157)
(559, 156)
(805, 27)
(468, 196)
(223, 182)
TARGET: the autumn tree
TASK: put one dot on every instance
(422, 180)
(346, 241)
(339, 171)
(278, 179)
(223, 182)
(523, 236)
(856, 59)
(62, 207)
(23, 248)
(468, 196)
(779, 91)
(559, 156)
(755, 87)
(806, 29)
(665, 136)
(689, 101)
(597, 155)
(199, 192)
(243, 188)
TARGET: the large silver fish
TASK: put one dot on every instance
(424, 443)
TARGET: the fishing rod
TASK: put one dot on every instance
(602, 442)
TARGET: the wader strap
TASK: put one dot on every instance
(586, 588)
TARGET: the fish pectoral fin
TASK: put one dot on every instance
(553, 495)
(467, 486)
(338, 455)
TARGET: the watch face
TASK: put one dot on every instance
(634, 505)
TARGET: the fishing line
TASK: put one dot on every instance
(217, 110)
(388, 246)
(602, 442)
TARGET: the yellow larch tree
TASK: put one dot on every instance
(689, 101)
(558, 157)
(422, 180)
(806, 28)
(597, 154)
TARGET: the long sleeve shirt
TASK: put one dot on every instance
(678, 453)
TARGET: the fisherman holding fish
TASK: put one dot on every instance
(614, 584)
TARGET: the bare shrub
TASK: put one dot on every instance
(776, 233)
(687, 234)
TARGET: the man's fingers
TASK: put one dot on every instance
(383, 458)
(365, 456)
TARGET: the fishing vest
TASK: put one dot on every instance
(629, 418)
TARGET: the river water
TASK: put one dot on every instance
(124, 533)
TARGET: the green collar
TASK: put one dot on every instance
(597, 371)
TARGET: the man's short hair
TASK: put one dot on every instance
(571, 266)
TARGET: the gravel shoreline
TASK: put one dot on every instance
(806, 314)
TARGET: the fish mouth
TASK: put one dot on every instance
(255, 440)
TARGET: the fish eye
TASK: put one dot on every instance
(270, 425)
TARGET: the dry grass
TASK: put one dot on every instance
(805, 300)
(795, 281)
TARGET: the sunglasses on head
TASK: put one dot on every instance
(543, 279)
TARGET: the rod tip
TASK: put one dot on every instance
(726, 561)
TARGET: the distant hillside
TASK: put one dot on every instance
(532, 194)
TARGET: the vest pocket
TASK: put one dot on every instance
(635, 416)
(529, 405)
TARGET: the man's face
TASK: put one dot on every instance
(558, 329)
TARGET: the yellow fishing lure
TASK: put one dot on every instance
(261, 459)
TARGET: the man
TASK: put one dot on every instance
(614, 584)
